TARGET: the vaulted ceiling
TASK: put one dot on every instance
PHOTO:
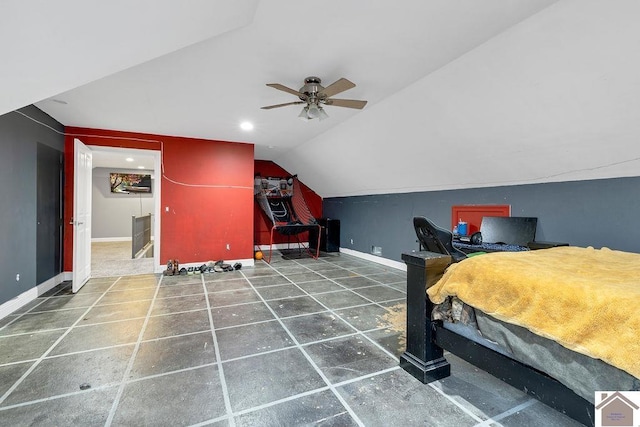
(461, 93)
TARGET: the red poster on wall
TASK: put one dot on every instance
(473, 214)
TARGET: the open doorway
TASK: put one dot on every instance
(125, 200)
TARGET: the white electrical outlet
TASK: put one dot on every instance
(228, 247)
(352, 241)
(18, 277)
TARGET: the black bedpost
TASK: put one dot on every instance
(423, 358)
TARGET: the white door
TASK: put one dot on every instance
(81, 215)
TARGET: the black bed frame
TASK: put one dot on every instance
(427, 340)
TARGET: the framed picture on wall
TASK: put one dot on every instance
(130, 183)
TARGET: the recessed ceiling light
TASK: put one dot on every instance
(246, 126)
(140, 167)
(129, 159)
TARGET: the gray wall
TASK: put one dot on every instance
(19, 138)
(583, 213)
(112, 212)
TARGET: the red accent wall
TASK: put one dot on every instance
(262, 228)
(207, 185)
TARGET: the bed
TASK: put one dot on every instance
(557, 323)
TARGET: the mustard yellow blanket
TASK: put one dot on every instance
(586, 299)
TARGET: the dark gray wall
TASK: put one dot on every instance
(583, 213)
(49, 213)
(19, 138)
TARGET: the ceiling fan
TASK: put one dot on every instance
(314, 95)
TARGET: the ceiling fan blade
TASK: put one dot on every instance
(285, 89)
(336, 87)
(268, 107)
(349, 103)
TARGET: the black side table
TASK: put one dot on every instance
(329, 235)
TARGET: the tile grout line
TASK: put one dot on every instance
(361, 333)
(283, 400)
(369, 339)
(223, 382)
(34, 332)
(206, 294)
(464, 409)
(378, 283)
(378, 304)
(86, 325)
(50, 349)
(28, 311)
(506, 413)
(444, 394)
(44, 299)
(219, 362)
(296, 396)
(452, 400)
(309, 359)
(356, 332)
(319, 293)
(58, 396)
(192, 368)
(132, 358)
(343, 308)
(367, 376)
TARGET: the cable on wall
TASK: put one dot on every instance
(157, 141)
(529, 180)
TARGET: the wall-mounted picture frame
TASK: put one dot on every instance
(126, 183)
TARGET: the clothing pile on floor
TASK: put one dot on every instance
(173, 268)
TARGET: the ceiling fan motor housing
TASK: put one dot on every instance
(311, 88)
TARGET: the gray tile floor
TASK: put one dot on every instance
(297, 342)
(110, 259)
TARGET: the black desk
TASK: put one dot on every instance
(500, 247)
(488, 247)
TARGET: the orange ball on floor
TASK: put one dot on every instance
(258, 255)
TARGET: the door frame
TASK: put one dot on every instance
(157, 179)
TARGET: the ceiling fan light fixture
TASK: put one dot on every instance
(314, 111)
(322, 114)
(304, 114)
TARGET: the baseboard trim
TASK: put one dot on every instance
(384, 261)
(31, 294)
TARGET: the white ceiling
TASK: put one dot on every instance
(554, 98)
(108, 157)
(530, 90)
